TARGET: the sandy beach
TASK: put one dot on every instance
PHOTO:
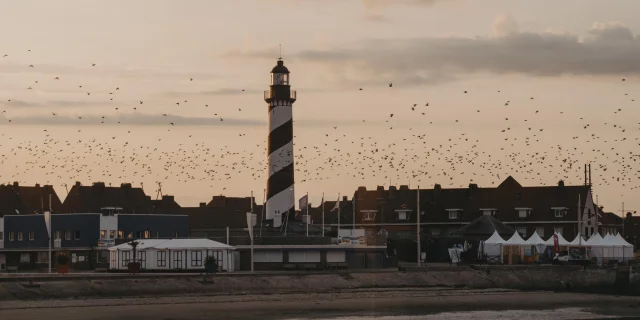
(322, 305)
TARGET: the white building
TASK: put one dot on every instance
(172, 254)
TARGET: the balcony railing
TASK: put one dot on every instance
(269, 95)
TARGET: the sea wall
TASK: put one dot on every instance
(523, 278)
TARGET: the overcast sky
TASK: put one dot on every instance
(192, 63)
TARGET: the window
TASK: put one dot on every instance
(146, 234)
(103, 234)
(196, 258)
(43, 257)
(130, 235)
(523, 212)
(112, 234)
(76, 235)
(138, 234)
(162, 258)
(368, 215)
(67, 235)
(126, 256)
(102, 256)
(540, 231)
(557, 230)
(20, 238)
(32, 235)
(57, 235)
(489, 212)
(120, 234)
(559, 212)
(522, 231)
(141, 256)
(402, 215)
(454, 214)
(11, 236)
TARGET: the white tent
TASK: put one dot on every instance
(578, 242)
(628, 247)
(537, 242)
(493, 245)
(172, 254)
(561, 240)
(515, 240)
(596, 244)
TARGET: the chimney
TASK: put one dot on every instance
(16, 184)
(98, 185)
(345, 199)
(37, 185)
(168, 198)
(380, 188)
(589, 173)
(393, 188)
(561, 183)
(473, 186)
(437, 189)
(404, 187)
(78, 184)
(125, 185)
(203, 204)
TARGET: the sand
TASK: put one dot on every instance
(322, 305)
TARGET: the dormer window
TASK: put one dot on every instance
(403, 214)
(523, 212)
(559, 212)
(489, 211)
(368, 215)
(454, 214)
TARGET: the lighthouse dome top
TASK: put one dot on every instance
(280, 68)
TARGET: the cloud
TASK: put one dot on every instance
(608, 49)
(129, 119)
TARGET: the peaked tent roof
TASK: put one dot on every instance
(578, 241)
(515, 240)
(182, 244)
(494, 239)
(561, 240)
(595, 240)
(535, 240)
(622, 241)
(484, 227)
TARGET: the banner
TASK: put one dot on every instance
(303, 202)
(250, 224)
(47, 222)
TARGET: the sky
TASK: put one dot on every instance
(170, 92)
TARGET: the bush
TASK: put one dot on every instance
(209, 260)
(62, 260)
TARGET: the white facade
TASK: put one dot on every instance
(173, 254)
(588, 218)
(108, 229)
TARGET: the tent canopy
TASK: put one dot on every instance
(483, 228)
(578, 241)
(622, 241)
(561, 240)
(535, 240)
(494, 239)
(174, 244)
(515, 240)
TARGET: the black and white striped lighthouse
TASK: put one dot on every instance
(280, 181)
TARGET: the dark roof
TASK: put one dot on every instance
(166, 205)
(28, 199)
(280, 68)
(90, 199)
(483, 227)
(213, 218)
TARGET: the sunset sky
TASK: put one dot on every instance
(553, 66)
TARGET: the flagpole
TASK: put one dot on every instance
(418, 227)
(251, 231)
(323, 214)
(338, 232)
(353, 201)
(308, 220)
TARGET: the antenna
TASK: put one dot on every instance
(280, 58)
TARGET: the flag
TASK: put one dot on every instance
(303, 202)
(47, 222)
(250, 224)
(337, 206)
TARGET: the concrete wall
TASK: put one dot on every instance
(535, 278)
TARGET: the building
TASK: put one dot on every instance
(98, 198)
(280, 182)
(17, 199)
(392, 213)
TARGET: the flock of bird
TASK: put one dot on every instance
(411, 144)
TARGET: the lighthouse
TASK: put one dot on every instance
(280, 181)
